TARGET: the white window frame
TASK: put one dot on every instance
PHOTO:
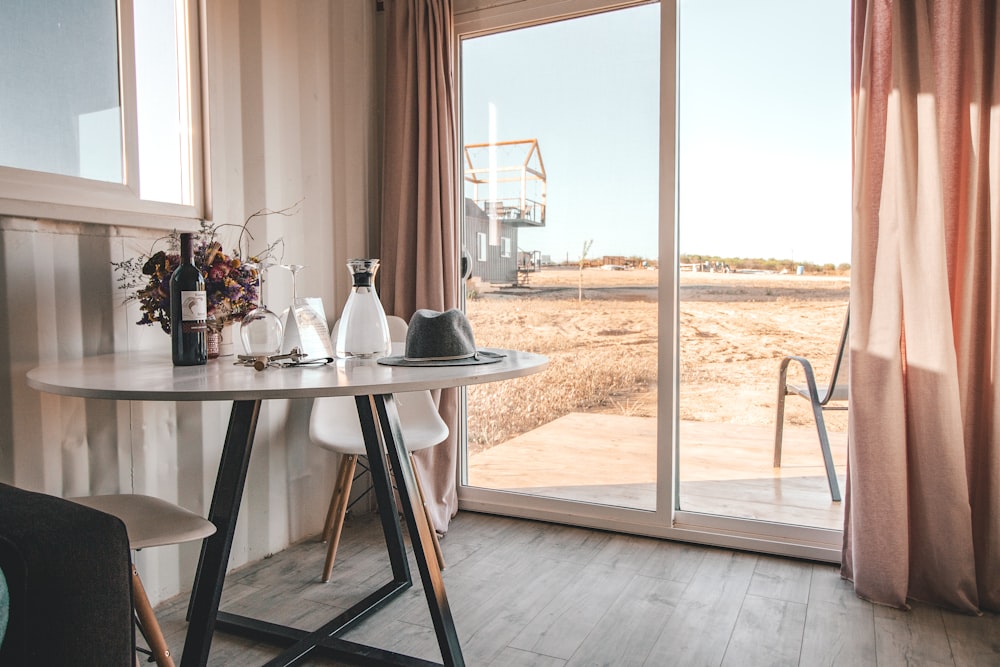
(505, 246)
(32, 194)
(667, 521)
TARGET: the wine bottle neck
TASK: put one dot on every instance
(187, 256)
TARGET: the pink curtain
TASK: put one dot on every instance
(419, 231)
(923, 504)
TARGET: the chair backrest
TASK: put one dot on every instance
(334, 419)
(337, 412)
(839, 374)
(397, 329)
(58, 555)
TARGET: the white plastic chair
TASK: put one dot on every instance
(334, 425)
(150, 522)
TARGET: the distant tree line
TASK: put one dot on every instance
(629, 262)
(734, 264)
(771, 264)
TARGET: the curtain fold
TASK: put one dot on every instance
(419, 231)
(921, 513)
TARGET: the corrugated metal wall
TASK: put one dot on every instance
(293, 102)
(495, 268)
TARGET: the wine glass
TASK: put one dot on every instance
(261, 330)
(290, 315)
(293, 269)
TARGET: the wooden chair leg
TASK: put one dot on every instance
(148, 625)
(338, 485)
(338, 509)
(423, 503)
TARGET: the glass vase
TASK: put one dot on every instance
(364, 330)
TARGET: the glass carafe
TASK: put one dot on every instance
(363, 331)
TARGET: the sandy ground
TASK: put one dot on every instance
(734, 330)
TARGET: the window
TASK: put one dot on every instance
(481, 246)
(584, 93)
(623, 99)
(162, 104)
(99, 107)
(61, 112)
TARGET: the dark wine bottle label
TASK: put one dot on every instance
(194, 310)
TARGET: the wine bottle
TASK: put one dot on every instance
(188, 310)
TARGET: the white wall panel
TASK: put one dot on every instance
(293, 116)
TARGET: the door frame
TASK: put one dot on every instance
(667, 521)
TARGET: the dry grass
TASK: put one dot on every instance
(590, 368)
(603, 350)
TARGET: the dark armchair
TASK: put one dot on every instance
(67, 571)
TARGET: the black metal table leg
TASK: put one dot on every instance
(214, 560)
(383, 438)
(419, 529)
(386, 499)
(395, 546)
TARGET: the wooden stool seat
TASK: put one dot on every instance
(150, 522)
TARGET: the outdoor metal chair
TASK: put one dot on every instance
(831, 396)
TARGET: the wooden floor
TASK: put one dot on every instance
(529, 593)
(725, 469)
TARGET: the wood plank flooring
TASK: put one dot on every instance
(526, 593)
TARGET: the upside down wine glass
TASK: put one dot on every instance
(292, 334)
(293, 269)
(261, 330)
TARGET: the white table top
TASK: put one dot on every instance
(148, 376)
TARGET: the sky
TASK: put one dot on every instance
(764, 164)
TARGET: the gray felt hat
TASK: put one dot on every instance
(440, 339)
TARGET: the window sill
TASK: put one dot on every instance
(62, 198)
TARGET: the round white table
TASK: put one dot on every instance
(145, 376)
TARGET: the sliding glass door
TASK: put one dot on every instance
(604, 154)
(764, 222)
(560, 157)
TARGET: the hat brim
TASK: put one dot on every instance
(481, 357)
